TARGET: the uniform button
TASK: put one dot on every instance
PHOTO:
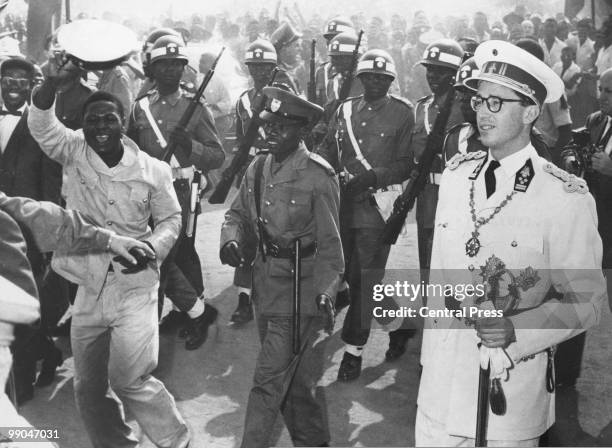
(369, 108)
(145, 200)
(445, 225)
(109, 223)
(360, 141)
(267, 202)
(514, 244)
(271, 186)
(363, 123)
(250, 190)
(292, 201)
(160, 121)
(382, 134)
(64, 117)
(111, 202)
(163, 102)
(265, 221)
(471, 267)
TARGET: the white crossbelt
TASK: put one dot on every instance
(384, 197)
(181, 173)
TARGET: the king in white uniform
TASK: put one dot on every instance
(527, 231)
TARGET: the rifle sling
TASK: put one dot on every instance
(259, 166)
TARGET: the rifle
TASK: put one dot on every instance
(418, 177)
(194, 199)
(295, 315)
(227, 177)
(312, 82)
(186, 117)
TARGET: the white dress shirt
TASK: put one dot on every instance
(8, 123)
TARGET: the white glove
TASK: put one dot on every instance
(497, 359)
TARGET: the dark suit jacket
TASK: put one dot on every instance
(26, 171)
(601, 188)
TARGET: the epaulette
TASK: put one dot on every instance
(147, 93)
(401, 99)
(571, 182)
(351, 98)
(189, 95)
(459, 158)
(322, 162)
(422, 100)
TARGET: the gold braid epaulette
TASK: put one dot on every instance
(571, 182)
(459, 158)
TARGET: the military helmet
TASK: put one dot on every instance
(466, 70)
(168, 47)
(260, 51)
(343, 44)
(376, 61)
(443, 53)
(336, 26)
(150, 40)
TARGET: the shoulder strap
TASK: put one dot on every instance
(347, 110)
(144, 105)
(246, 103)
(259, 166)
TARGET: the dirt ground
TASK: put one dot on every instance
(211, 384)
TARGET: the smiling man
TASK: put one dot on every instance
(114, 332)
(292, 194)
(510, 220)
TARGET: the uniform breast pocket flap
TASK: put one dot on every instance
(283, 267)
(299, 205)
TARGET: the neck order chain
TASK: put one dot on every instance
(472, 246)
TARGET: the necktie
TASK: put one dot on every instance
(7, 112)
(490, 177)
(605, 136)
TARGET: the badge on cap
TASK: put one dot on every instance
(275, 105)
(465, 72)
(335, 46)
(171, 49)
(332, 26)
(434, 52)
(258, 54)
(380, 63)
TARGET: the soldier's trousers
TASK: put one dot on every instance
(365, 260)
(286, 383)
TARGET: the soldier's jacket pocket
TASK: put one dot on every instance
(136, 205)
(282, 267)
(298, 204)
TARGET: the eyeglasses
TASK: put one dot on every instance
(494, 103)
(20, 83)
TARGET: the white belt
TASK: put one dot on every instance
(183, 173)
(434, 178)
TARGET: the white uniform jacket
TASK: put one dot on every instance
(545, 236)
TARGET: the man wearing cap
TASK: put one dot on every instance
(288, 195)
(286, 41)
(153, 124)
(506, 224)
(114, 334)
(326, 72)
(369, 144)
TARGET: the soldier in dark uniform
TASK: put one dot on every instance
(260, 60)
(299, 197)
(154, 122)
(372, 148)
(286, 41)
(340, 51)
(190, 74)
(441, 59)
(325, 72)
